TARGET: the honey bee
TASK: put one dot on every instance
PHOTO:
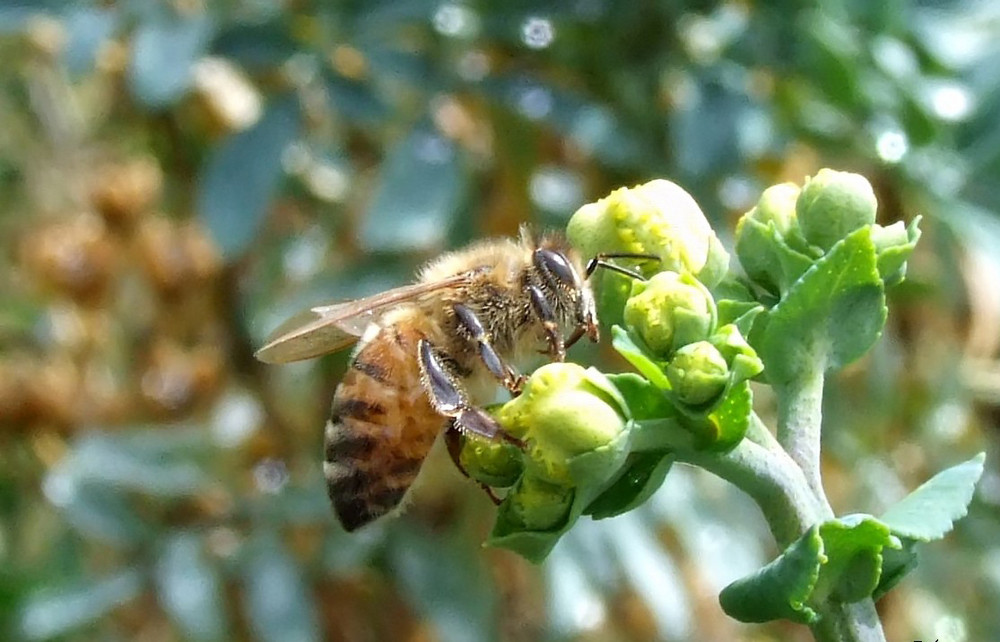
(430, 353)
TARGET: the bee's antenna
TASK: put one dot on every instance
(601, 261)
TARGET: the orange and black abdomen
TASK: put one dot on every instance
(381, 428)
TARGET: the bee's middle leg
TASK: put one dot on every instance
(450, 400)
(503, 371)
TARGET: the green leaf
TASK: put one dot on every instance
(780, 589)
(631, 348)
(892, 260)
(840, 560)
(163, 50)
(831, 315)
(241, 178)
(896, 563)
(189, 588)
(276, 600)
(731, 418)
(929, 512)
(53, 612)
(643, 399)
(420, 191)
(641, 476)
(852, 546)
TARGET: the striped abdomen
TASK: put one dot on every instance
(381, 428)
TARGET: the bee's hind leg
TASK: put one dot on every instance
(453, 440)
(449, 399)
(503, 371)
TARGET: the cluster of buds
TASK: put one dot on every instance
(791, 227)
(672, 325)
(566, 414)
(576, 425)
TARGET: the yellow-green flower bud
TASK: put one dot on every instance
(776, 205)
(493, 462)
(832, 205)
(669, 311)
(657, 218)
(563, 411)
(538, 505)
(698, 373)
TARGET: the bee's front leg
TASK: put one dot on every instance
(543, 310)
(504, 372)
(450, 400)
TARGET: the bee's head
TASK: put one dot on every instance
(563, 275)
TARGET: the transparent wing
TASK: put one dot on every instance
(329, 328)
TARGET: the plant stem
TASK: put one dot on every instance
(800, 416)
(763, 470)
(772, 479)
(855, 622)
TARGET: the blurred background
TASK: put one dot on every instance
(177, 177)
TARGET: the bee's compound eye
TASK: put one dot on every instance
(557, 265)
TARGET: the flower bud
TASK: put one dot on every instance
(776, 205)
(538, 505)
(669, 311)
(698, 373)
(492, 462)
(657, 218)
(832, 205)
(563, 411)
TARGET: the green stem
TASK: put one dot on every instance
(800, 417)
(855, 622)
(772, 479)
(761, 468)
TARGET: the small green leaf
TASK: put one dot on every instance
(852, 546)
(930, 511)
(731, 418)
(241, 178)
(643, 399)
(641, 476)
(630, 347)
(780, 589)
(420, 192)
(831, 315)
(840, 559)
(896, 563)
(892, 259)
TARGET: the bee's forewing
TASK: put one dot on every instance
(328, 328)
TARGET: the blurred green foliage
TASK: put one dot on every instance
(176, 177)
